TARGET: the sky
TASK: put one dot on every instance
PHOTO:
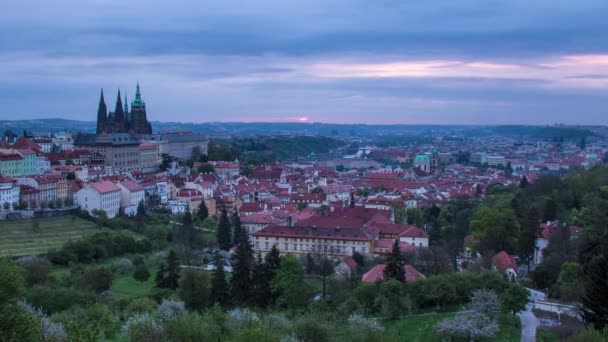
(334, 61)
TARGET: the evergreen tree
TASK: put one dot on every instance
(223, 231)
(310, 264)
(352, 200)
(593, 256)
(261, 276)
(202, 212)
(394, 264)
(219, 286)
(168, 273)
(160, 275)
(240, 283)
(187, 237)
(529, 233)
(237, 229)
(326, 269)
(194, 288)
(524, 182)
(273, 259)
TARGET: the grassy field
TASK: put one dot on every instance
(420, 328)
(546, 335)
(38, 236)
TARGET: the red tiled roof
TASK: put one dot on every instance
(382, 246)
(314, 233)
(503, 261)
(377, 273)
(131, 185)
(105, 186)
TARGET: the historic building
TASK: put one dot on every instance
(121, 120)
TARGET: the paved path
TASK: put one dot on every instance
(529, 322)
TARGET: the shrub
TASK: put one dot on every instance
(94, 279)
(240, 318)
(169, 309)
(309, 329)
(142, 327)
(470, 326)
(124, 266)
(192, 327)
(36, 269)
(364, 329)
(53, 300)
(140, 306)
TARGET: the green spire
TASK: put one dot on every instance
(138, 101)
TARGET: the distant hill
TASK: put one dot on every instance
(317, 129)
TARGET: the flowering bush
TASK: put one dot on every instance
(470, 326)
(142, 327)
(169, 309)
(241, 317)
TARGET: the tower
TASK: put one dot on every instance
(102, 114)
(119, 116)
(138, 119)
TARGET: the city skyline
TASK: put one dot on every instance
(331, 62)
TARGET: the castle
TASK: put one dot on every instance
(121, 120)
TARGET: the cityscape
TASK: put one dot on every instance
(327, 194)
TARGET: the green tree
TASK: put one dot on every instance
(495, 229)
(529, 233)
(94, 279)
(141, 272)
(168, 273)
(317, 190)
(569, 286)
(524, 182)
(394, 268)
(288, 282)
(237, 229)
(514, 299)
(240, 283)
(202, 212)
(219, 286)
(393, 299)
(593, 257)
(223, 231)
(326, 269)
(15, 324)
(194, 288)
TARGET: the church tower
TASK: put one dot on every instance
(119, 116)
(138, 119)
(102, 114)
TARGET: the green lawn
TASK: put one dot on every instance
(420, 328)
(27, 237)
(546, 335)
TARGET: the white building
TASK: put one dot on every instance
(103, 195)
(131, 194)
(9, 191)
(42, 164)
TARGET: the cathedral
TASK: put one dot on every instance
(121, 120)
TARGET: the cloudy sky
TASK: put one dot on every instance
(341, 61)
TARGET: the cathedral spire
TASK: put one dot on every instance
(119, 114)
(102, 114)
(138, 101)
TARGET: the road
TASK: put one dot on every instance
(529, 322)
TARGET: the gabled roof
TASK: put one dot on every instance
(503, 261)
(104, 186)
(377, 273)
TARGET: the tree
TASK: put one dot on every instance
(94, 279)
(317, 190)
(468, 326)
(168, 273)
(206, 168)
(223, 231)
(393, 299)
(529, 232)
(524, 182)
(237, 229)
(514, 299)
(219, 286)
(15, 325)
(394, 268)
(202, 212)
(593, 257)
(326, 269)
(352, 200)
(550, 210)
(569, 285)
(485, 301)
(141, 272)
(495, 229)
(289, 283)
(194, 288)
(240, 283)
